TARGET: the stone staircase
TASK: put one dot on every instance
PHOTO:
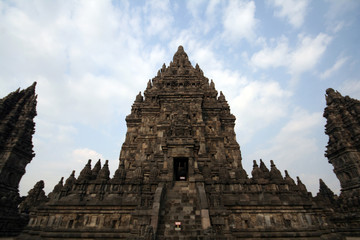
(181, 204)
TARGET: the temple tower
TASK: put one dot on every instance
(17, 111)
(343, 152)
(180, 126)
(343, 149)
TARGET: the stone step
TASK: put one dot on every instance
(194, 236)
(181, 205)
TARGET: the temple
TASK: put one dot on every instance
(17, 112)
(180, 176)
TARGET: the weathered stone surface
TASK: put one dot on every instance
(343, 152)
(17, 111)
(180, 176)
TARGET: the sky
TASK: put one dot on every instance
(273, 60)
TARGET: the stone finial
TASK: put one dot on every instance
(57, 189)
(35, 197)
(70, 181)
(256, 172)
(263, 166)
(324, 189)
(104, 172)
(96, 169)
(212, 84)
(181, 58)
(331, 95)
(221, 97)
(59, 186)
(149, 86)
(255, 164)
(288, 179)
(325, 194)
(274, 172)
(38, 187)
(198, 69)
(301, 186)
(139, 98)
(86, 173)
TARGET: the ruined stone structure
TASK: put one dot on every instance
(17, 112)
(343, 152)
(180, 176)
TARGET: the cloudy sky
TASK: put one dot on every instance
(273, 60)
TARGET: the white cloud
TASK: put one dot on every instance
(308, 53)
(337, 14)
(293, 10)
(194, 6)
(239, 21)
(272, 57)
(301, 123)
(338, 26)
(83, 154)
(337, 65)
(262, 103)
(304, 57)
(351, 88)
(159, 18)
(207, 58)
(339, 8)
(211, 8)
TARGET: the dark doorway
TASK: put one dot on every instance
(181, 169)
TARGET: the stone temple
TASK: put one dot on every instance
(180, 174)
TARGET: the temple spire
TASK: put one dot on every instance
(17, 126)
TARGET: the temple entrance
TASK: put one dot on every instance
(181, 169)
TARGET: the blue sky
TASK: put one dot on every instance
(273, 60)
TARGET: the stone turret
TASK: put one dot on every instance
(343, 152)
(17, 111)
(325, 194)
(35, 197)
(95, 171)
(86, 173)
(104, 172)
(343, 149)
(256, 172)
(69, 183)
(57, 190)
(275, 174)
